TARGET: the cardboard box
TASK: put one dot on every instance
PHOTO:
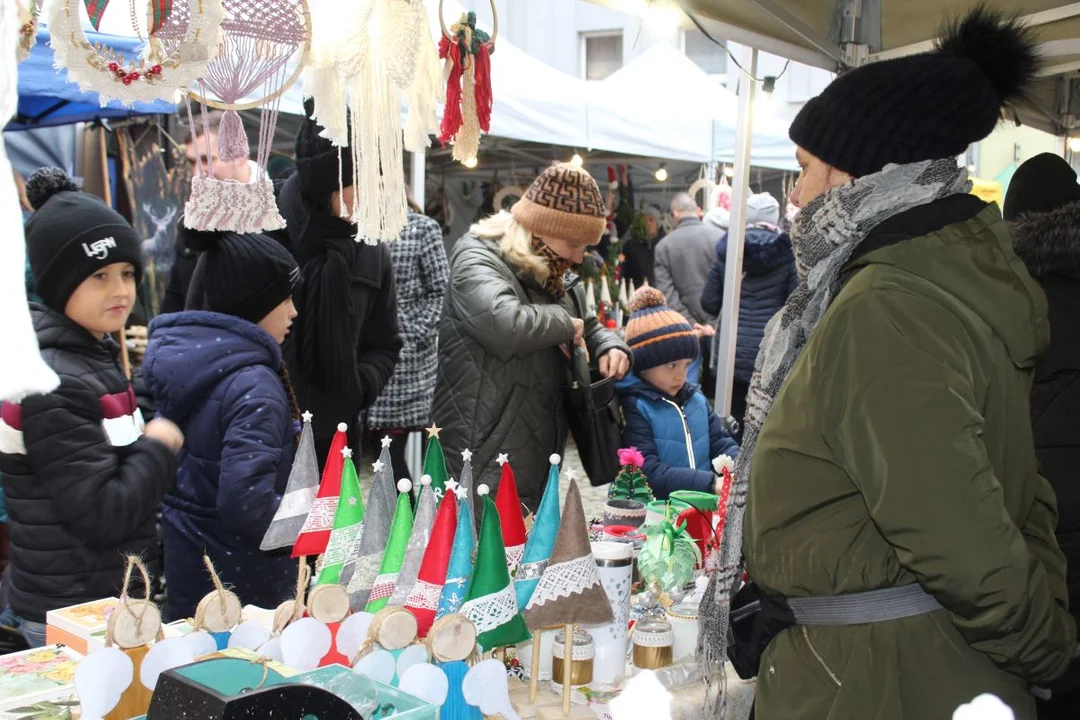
(80, 627)
(37, 675)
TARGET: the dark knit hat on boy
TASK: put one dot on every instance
(246, 276)
(922, 107)
(1040, 185)
(658, 335)
(320, 163)
(564, 202)
(72, 235)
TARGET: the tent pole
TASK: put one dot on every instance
(418, 169)
(729, 315)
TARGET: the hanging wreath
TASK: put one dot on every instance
(467, 51)
(28, 19)
(166, 69)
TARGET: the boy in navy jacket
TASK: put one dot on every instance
(667, 418)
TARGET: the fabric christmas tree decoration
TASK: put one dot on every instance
(434, 462)
(423, 600)
(631, 483)
(541, 540)
(299, 497)
(569, 591)
(513, 524)
(459, 571)
(315, 534)
(465, 482)
(348, 526)
(491, 602)
(372, 542)
(394, 554)
(418, 541)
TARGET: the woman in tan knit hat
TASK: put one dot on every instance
(509, 321)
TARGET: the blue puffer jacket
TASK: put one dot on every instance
(769, 277)
(216, 377)
(657, 425)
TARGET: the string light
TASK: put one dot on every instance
(661, 174)
(1074, 144)
(470, 163)
(577, 160)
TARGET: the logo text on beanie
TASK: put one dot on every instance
(99, 248)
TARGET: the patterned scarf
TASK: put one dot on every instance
(826, 233)
(557, 267)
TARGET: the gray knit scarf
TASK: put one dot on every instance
(826, 234)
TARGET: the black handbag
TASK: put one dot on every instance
(754, 620)
(592, 409)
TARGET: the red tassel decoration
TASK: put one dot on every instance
(467, 52)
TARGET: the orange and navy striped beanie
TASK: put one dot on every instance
(658, 335)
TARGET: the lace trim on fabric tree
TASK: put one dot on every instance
(514, 553)
(341, 542)
(227, 205)
(565, 579)
(491, 611)
(384, 586)
(367, 570)
(424, 596)
(531, 570)
(321, 516)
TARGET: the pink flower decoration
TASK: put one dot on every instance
(631, 456)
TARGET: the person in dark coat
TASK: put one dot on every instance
(639, 247)
(667, 417)
(769, 277)
(1043, 206)
(219, 374)
(346, 341)
(510, 317)
(82, 479)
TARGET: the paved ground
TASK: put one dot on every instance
(592, 498)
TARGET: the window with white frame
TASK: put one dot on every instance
(708, 56)
(601, 54)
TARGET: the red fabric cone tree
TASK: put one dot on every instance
(315, 535)
(423, 599)
(509, 506)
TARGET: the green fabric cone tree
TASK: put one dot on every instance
(400, 532)
(491, 602)
(348, 524)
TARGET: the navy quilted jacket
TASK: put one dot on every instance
(216, 377)
(769, 278)
(678, 436)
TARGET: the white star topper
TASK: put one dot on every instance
(502, 459)
(466, 455)
(346, 452)
(386, 441)
(307, 417)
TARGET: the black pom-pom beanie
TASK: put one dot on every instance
(72, 235)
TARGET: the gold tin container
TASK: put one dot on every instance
(581, 658)
(653, 645)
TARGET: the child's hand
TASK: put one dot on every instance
(165, 432)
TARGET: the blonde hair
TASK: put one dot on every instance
(515, 243)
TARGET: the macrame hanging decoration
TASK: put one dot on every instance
(369, 53)
(28, 26)
(252, 69)
(467, 51)
(183, 39)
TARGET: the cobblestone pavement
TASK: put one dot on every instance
(592, 498)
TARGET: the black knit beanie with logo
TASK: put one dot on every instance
(921, 107)
(246, 276)
(72, 235)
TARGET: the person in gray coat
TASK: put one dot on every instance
(509, 323)
(683, 259)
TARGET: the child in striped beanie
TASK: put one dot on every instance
(668, 419)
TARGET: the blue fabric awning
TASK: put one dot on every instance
(47, 98)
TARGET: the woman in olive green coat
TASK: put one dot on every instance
(888, 422)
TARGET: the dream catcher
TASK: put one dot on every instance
(374, 51)
(182, 40)
(28, 26)
(265, 43)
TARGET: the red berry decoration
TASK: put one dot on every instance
(127, 80)
(156, 69)
(134, 76)
(113, 66)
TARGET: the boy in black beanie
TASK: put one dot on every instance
(82, 477)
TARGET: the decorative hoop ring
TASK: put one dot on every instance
(701, 184)
(304, 48)
(494, 23)
(515, 190)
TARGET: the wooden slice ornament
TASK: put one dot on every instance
(172, 64)
(284, 615)
(328, 603)
(219, 611)
(290, 611)
(453, 638)
(392, 628)
(134, 623)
